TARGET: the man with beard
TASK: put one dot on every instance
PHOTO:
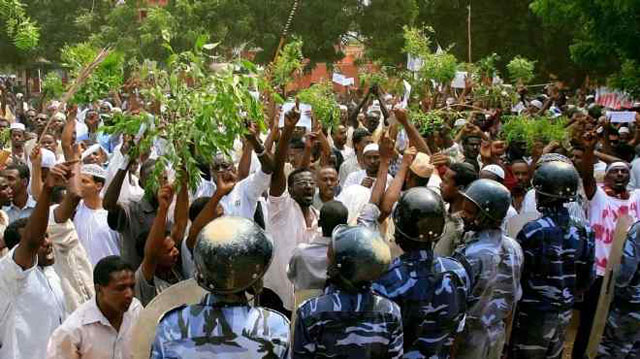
(494, 264)
(367, 176)
(18, 138)
(558, 266)
(520, 170)
(606, 204)
(471, 150)
(101, 327)
(32, 301)
(292, 219)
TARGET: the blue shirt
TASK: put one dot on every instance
(627, 291)
(348, 325)
(221, 328)
(432, 294)
(559, 261)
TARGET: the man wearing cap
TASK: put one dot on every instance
(496, 173)
(605, 205)
(367, 176)
(95, 154)
(90, 218)
(18, 138)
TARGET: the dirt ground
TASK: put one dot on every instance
(571, 335)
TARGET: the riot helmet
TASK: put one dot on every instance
(231, 255)
(556, 180)
(419, 215)
(492, 199)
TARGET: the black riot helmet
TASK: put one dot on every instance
(231, 255)
(357, 257)
(419, 215)
(492, 199)
(557, 180)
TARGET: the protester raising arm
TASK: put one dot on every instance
(264, 155)
(392, 194)
(589, 182)
(110, 202)
(278, 180)
(68, 131)
(224, 186)
(36, 171)
(415, 138)
(386, 153)
(181, 213)
(155, 241)
(36, 229)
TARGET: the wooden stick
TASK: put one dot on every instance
(469, 29)
(77, 83)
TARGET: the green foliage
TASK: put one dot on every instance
(23, 31)
(52, 86)
(374, 75)
(521, 70)
(107, 76)
(440, 66)
(427, 123)
(203, 111)
(627, 79)
(486, 68)
(289, 61)
(530, 130)
(322, 100)
(416, 42)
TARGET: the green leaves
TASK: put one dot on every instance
(52, 85)
(289, 61)
(627, 79)
(440, 66)
(521, 70)
(23, 31)
(530, 130)
(322, 100)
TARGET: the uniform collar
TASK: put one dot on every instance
(487, 235)
(418, 256)
(222, 300)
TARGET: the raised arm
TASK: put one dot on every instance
(278, 180)
(264, 155)
(36, 171)
(386, 153)
(67, 135)
(157, 234)
(392, 194)
(110, 201)
(67, 208)
(210, 212)
(588, 180)
(36, 229)
(415, 138)
(181, 214)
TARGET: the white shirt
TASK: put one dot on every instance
(288, 228)
(31, 308)
(16, 213)
(358, 176)
(511, 212)
(94, 233)
(87, 334)
(603, 213)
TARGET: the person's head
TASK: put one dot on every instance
(197, 206)
(30, 116)
(57, 123)
(339, 135)
(471, 147)
(485, 205)
(17, 175)
(231, 255)
(372, 121)
(40, 122)
(92, 179)
(114, 281)
(94, 154)
(492, 172)
(49, 142)
(555, 183)
(296, 152)
(302, 186)
(617, 176)
(520, 170)
(357, 256)
(625, 134)
(419, 172)
(13, 234)
(92, 120)
(17, 132)
(517, 149)
(4, 123)
(223, 166)
(371, 159)
(361, 138)
(6, 192)
(456, 180)
(146, 171)
(332, 214)
(327, 180)
(577, 155)
(419, 219)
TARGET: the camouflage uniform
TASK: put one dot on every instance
(345, 325)
(223, 327)
(559, 262)
(432, 293)
(621, 337)
(494, 262)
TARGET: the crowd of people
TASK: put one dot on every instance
(371, 239)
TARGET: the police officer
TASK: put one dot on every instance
(559, 263)
(494, 263)
(231, 256)
(349, 320)
(431, 291)
(621, 338)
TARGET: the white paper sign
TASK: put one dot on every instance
(305, 112)
(348, 81)
(459, 81)
(621, 116)
(338, 78)
(407, 94)
(414, 63)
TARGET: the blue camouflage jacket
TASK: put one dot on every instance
(432, 294)
(348, 325)
(627, 291)
(559, 261)
(221, 329)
